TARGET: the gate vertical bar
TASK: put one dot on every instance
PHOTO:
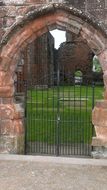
(58, 110)
(25, 120)
(93, 103)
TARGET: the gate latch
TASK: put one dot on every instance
(58, 118)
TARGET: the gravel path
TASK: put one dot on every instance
(44, 173)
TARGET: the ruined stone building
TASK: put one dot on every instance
(36, 63)
(25, 40)
(13, 11)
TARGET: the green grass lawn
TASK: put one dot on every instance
(61, 115)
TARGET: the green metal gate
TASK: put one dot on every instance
(58, 105)
(58, 115)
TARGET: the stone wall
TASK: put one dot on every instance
(76, 55)
(13, 10)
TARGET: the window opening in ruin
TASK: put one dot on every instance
(96, 65)
(59, 36)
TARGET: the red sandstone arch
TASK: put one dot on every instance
(33, 25)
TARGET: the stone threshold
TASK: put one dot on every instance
(54, 160)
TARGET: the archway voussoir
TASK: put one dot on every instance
(40, 32)
(17, 41)
(71, 21)
(53, 26)
(105, 94)
(61, 26)
(96, 45)
(40, 23)
(25, 35)
(105, 80)
(29, 40)
(23, 46)
(100, 38)
(103, 59)
(72, 27)
(6, 79)
(88, 29)
(5, 63)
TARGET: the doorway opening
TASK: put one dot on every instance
(59, 87)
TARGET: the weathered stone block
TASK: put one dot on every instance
(6, 127)
(9, 50)
(101, 132)
(18, 126)
(99, 116)
(1, 33)
(103, 60)
(6, 91)
(18, 111)
(25, 34)
(12, 144)
(8, 21)
(11, 111)
(11, 127)
(101, 104)
(7, 100)
(2, 11)
(89, 34)
(5, 64)
(98, 142)
(105, 80)
(68, 22)
(99, 151)
(11, 11)
(1, 22)
(5, 79)
(105, 94)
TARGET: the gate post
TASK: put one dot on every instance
(99, 116)
(99, 119)
(11, 123)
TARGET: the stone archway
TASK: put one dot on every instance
(33, 25)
